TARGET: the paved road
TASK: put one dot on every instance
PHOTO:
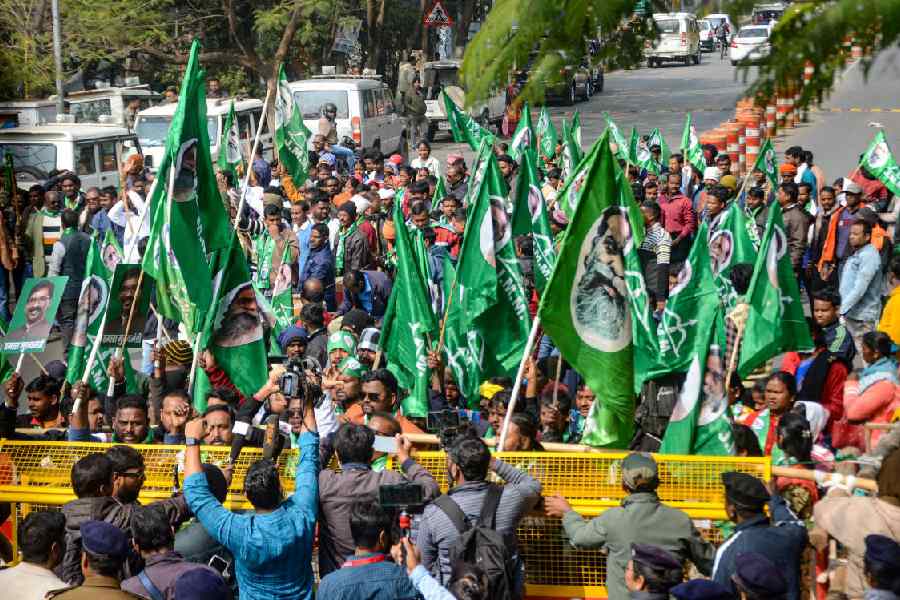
(648, 98)
(838, 133)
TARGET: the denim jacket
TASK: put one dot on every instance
(861, 284)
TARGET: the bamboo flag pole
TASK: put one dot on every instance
(535, 326)
(246, 183)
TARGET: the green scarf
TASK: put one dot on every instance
(380, 463)
(67, 231)
(49, 213)
(72, 204)
(264, 248)
(339, 259)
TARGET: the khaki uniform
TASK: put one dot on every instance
(95, 587)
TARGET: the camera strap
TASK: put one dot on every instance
(368, 560)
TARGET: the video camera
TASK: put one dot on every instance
(297, 382)
(405, 497)
(445, 424)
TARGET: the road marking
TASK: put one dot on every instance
(855, 109)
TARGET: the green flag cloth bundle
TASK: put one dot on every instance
(576, 131)
(776, 322)
(188, 217)
(232, 330)
(633, 141)
(690, 145)
(690, 308)
(230, 146)
(730, 243)
(530, 218)
(571, 151)
(656, 139)
(879, 161)
(617, 138)
(409, 324)
(291, 135)
(699, 423)
(547, 136)
(585, 307)
(463, 127)
(767, 162)
(523, 137)
(489, 287)
(644, 159)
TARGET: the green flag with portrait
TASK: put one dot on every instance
(230, 156)
(879, 161)
(530, 218)
(291, 135)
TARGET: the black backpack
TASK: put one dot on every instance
(480, 544)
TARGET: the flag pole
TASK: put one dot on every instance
(440, 346)
(259, 127)
(19, 362)
(92, 357)
(535, 325)
(739, 317)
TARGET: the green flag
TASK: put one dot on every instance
(440, 192)
(547, 136)
(291, 135)
(657, 139)
(281, 308)
(584, 308)
(767, 162)
(489, 281)
(568, 196)
(463, 127)
(617, 138)
(879, 161)
(576, 131)
(185, 201)
(699, 423)
(690, 145)
(523, 137)
(6, 369)
(644, 159)
(232, 330)
(409, 324)
(633, 140)
(230, 146)
(571, 151)
(689, 309)
(730, 243)
(776, 322)
(530, 218)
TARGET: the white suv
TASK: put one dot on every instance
(365, 110)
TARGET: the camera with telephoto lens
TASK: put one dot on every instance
(299, 380)
(445, 424)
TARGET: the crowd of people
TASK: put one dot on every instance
(334, 239)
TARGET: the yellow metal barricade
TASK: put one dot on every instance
(36, 476)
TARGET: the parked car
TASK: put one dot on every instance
(94, 152)
(110, 104)
(751, 44)
(443, 75)
(365, 110)
(707, 35)
(574, 83)
(679, 39)
(152, 126)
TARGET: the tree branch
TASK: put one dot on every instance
(253, 61)
(288, 35)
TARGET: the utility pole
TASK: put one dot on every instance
(57, 57)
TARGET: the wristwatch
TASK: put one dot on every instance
(191, 441)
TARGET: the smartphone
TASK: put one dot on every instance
(402, 495)
(385, 444)
(220, 565)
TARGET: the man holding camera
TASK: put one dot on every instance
(356, 481)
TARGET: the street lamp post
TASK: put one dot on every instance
(57, 57)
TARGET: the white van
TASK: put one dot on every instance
(94, 152)
(443, 75)
(365, 110)
(152, 126)
(110, 105)
(679, 39)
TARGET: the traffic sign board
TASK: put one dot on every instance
(438, 16)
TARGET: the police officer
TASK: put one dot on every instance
(701, 589)
(757, 578)
(782, 538)
(201, 584)
(651, 573)
(104, 548)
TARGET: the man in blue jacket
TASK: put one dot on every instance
(861, 284)
(272, 545)
(366, 290)
(320, 263)
(781, 538)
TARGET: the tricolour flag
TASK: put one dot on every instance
(523, 137)
(188, 217)
(547, 136)
(232, 329)
(409, 325)
(463, 127)
(879, 161)
(775, 322)
(585, 307)
(530, 218)
(690, 145)
(230, 156)
(291, 135)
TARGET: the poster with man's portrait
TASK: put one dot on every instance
(124, 295)
(34, 315)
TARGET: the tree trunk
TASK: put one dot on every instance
(371, 33)
(462, 25)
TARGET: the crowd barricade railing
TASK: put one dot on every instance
(36, 476)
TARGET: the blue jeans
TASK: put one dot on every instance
(348, 155)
